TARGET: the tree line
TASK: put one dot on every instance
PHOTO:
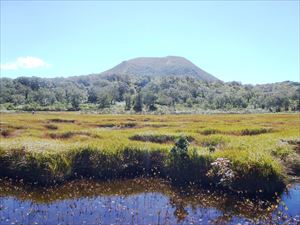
(144, 93)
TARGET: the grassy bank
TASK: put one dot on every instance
(240, 153)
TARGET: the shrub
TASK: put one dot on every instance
(222, 172)
(179, 161)
(181, 146)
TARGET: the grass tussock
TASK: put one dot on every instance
(70, 134)
(107, 125)
(256, 131)
(210, 131)
(157, 138)
(57, 120)
(294, 143)
(242, 132)
(289, 153)
(117, 126)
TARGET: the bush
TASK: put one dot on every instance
(222, 172)
(179, 161)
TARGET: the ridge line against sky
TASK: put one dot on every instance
(248, 41)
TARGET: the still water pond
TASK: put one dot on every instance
(139, 201)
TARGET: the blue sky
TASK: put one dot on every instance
(247, 41)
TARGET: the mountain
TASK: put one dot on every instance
(160, 66)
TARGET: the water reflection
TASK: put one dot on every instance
(138, 201)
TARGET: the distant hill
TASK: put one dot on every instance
(160, 66)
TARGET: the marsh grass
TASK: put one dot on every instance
(243, 132)
(57, 120)
(70, 134)
(107, 125)
(80, 149)
(117, 126)
(210, 131)
(255, 131)
(158, 138)
(289, 152)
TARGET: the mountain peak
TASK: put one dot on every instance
(161, 66)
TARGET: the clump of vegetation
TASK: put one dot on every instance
(222, 172)
(181, 147)
(70, 134)
(255, 131)
(289, 152)
(61, 121)
(295, 143)
(106, 125)
(157, 138)
(63, 135)
(210, 131)
(282, 151)
(179, 161)
(255, 172)
(35, 167)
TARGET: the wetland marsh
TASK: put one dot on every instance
(163, 169)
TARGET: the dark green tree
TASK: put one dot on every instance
(138, 103)
(149, 99)
(128, 102)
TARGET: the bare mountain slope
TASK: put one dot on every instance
(164, 66)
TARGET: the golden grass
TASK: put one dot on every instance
(114, 129)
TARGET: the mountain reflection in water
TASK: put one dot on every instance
(138, 201)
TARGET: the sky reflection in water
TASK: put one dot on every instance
(138, 201)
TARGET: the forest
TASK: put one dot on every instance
(128, 93)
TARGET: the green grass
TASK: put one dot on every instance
(53, 147)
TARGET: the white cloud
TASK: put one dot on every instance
(27, 62)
